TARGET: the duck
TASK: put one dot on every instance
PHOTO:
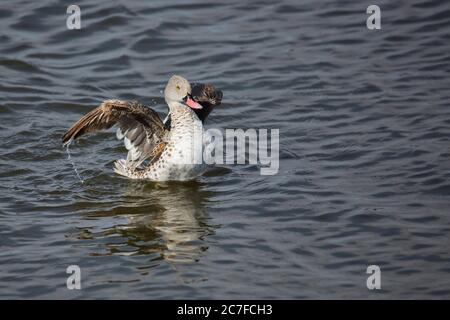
(158, 150)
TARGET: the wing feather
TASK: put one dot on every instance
(139, 126)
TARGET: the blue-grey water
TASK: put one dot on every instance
(364, 122)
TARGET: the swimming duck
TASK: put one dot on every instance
(157, 150)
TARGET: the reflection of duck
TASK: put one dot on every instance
(172, 148)
(174, 227)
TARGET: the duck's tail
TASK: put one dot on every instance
(120, 167)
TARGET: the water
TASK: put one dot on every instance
(364, 171)
(69, 157)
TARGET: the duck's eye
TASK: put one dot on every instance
(178, 88)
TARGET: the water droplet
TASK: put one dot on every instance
(72, 162)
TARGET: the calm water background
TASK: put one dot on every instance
(364, 123)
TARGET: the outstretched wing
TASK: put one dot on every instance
(208, 96)
(141, 128)
(205, 94)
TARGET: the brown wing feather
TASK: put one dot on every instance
(109, 113)
(208, 96)
(140, 126)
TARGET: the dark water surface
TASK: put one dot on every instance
(364, 122)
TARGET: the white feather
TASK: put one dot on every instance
(135, 154)
(119, 134)
(127, 143)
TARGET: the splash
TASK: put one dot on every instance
(72, 162)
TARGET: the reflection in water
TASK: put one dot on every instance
(166, 219)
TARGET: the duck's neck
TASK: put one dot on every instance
(186, 133)
(182, 118)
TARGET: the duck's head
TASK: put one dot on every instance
(178, 92)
